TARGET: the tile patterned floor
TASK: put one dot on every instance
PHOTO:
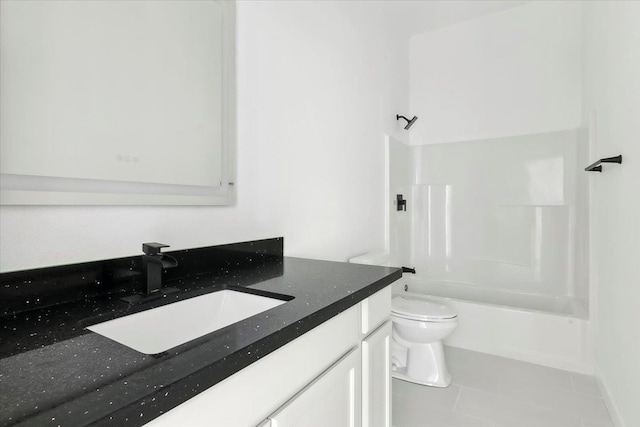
(492, 391)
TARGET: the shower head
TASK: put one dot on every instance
(409, 122)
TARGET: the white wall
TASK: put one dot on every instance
(612, 95)
(319, 85)
(419, 16)
(513, 72)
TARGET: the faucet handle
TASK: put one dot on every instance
(153, 248)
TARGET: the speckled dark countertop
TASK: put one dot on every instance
(54, 372)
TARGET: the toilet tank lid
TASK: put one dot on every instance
(421, 308)
(372, 258)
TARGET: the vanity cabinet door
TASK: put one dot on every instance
(332, 399)
(376, 378)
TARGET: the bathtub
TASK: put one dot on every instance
(550, 331)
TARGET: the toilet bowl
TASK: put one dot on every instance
(419, 326)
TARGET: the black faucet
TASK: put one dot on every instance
(153, 263)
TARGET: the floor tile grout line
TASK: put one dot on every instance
(470, 387)
(413, 399)
(573, 390)
(558, 410)
(573, 385)
(501, 381)
(580, 419)
(587, 394)
(473, 417)
(503, 374)
(453, 409)
(533, 405)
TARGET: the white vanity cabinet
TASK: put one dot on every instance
(335, 375)
(332, 399)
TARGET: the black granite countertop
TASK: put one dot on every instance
(53, 371)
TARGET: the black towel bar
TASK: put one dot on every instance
(597, 166)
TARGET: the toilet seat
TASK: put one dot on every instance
(422, 310)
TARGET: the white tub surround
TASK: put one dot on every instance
(558, 305)
(538, 335)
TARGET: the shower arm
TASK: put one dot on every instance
(410, 122)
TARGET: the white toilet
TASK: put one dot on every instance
(419, 326)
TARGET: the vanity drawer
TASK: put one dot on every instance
(375, 310)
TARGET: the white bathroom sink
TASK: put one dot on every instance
(159, 329)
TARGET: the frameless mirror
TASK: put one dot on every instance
(117, 102)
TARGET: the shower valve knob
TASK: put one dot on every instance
(401, 204)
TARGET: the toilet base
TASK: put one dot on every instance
(401, 374)
(420, 364)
